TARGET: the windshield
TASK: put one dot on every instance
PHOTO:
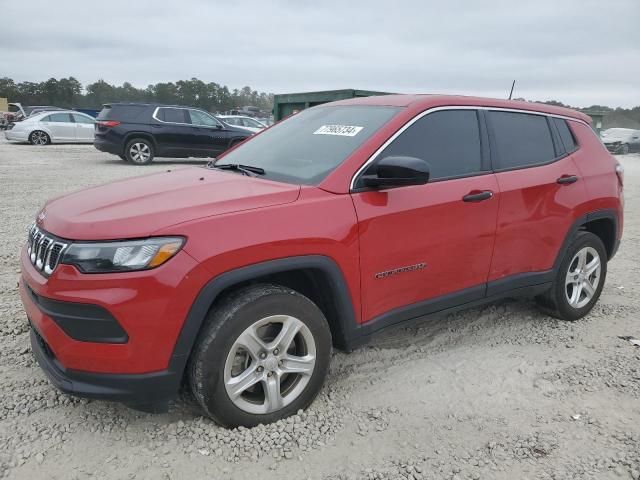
(309, 145)
(250, 122)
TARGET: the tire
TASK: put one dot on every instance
(624, 150)
(139, 151)
(220, 359)
(38, 137)
(569, 298)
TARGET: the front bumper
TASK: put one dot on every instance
(150, 391)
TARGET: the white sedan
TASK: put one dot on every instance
(247, 123)
(43, 128)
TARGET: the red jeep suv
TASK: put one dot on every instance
(345, 218)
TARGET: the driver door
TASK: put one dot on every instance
(427, 247)
(210, 135)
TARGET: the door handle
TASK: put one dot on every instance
(477, 196)
(567, 179)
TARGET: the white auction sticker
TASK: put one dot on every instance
(342, 130)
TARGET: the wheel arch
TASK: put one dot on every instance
(603, 223)
(316, 276)
(41, 129)
(139, 134)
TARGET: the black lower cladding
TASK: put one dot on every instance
(148, 391)
(83, 322)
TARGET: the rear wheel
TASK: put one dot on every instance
(139, 151)
(263, 355)
(38, 137)
(579, 281)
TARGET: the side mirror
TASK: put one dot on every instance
(398, 171)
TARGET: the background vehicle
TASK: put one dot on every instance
(621, 140)
(64, 126)
(339, 221)
(251, 124)
(138, 132)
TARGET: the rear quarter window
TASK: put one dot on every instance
(568, 140)
(520, 140)
(122, 113)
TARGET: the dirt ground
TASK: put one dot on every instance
(500, 392)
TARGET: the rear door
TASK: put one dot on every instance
(173, 133)
(84, 127)
(540, 194)
(427, 247)
(211, 137)
(61, 126)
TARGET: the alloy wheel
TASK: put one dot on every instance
(583, 277)
(39, 138)
(140, 152)
(270, 364)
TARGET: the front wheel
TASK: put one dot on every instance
(262, 355)
(579, 280)
(139, 151)
(624, 149)
(38, 137)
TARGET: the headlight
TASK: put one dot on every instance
(103, 257)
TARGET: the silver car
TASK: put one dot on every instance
(66, 126)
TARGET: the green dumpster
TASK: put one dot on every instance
(287, 103)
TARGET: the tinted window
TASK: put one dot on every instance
(201, 118)
(59, 117)
(448, 140)
(173, 115)
(307, 146)
(521, 139)
(82, 118)
(565, 135)
(122, 112)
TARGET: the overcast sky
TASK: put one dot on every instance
(581, 52)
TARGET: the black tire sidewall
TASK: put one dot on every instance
(566, 311)
(224, 326)
(127, 151)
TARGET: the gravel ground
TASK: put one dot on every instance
(499, 392)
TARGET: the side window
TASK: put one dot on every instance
(521, 139)
(173, 115)
(59, 118)
(566, 136)
(201, 118)
(448, 140)
(81, 119)
(231, 121)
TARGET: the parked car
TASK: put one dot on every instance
(621, 140)
(138, 132)
(239, 277)
(249, 123)
(65, 126)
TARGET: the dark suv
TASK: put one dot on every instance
(138, 132)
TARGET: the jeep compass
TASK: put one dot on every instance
(239, 278)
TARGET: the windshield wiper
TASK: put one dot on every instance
(245, 169)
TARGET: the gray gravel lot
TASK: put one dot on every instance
(499, 392)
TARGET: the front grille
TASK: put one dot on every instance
(44, 250)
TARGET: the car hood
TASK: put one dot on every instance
(139, 207)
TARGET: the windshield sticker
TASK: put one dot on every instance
(342, 130)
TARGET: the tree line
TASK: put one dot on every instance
(213, 97)
(70, 93)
